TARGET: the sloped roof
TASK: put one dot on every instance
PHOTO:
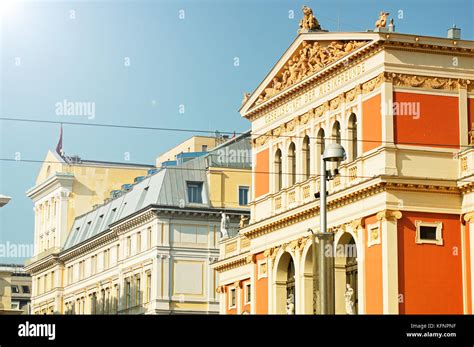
(167, 187)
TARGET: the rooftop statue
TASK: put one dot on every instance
(382, 22)
(309, 21)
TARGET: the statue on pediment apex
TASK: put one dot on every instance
(309, 21)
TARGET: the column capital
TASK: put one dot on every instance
(389, 215)
(468, 217)
(357, 223)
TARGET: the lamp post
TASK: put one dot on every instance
(333, 152)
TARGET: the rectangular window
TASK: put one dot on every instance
(138, 296)
(194, 192)
(69, 274)
(429, 232)
(248, 293)
(52, 279)
(81, 269)
(243, 195)
(116, 298)
(148, 286)
(15, 290)
(204, 148)
(129, 246)
(94, 303)
(25, 289)
(93, 264)
(106, 259)
(232, 297)
(128, 293)
(117, 256)
(149, 236)
(139, 242)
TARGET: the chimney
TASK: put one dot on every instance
(454, 33)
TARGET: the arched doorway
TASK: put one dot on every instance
(285, 285)
(346, 273)
(310, 283)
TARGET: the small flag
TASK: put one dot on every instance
(59, 147)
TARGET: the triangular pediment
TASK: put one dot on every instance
(305, 57)
(51, 164)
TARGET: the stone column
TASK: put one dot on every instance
(388, 221)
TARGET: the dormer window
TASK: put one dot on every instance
(194, 192)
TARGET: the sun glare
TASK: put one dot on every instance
(7, 7)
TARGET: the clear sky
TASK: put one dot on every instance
(78, 51)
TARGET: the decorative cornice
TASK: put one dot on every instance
(225, 265)
(313, 211)
(135, 222)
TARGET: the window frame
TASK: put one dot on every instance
(247, 292)
(439, 233)
(229, 299)
(200, 185)
(248, 194)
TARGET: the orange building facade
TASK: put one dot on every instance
(401, 208)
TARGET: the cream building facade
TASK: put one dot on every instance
(148, 249)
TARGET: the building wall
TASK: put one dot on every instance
(181, 280)
(58, 203)
(261, 285)
(430, 276)
(424, 129)
(372, 123)
(224, 186)
(373, 270)
(262, 176)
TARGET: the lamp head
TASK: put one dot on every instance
(334, 152)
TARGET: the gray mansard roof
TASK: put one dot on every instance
(167, 187)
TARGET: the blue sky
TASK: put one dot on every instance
(173, 62)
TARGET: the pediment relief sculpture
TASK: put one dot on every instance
(311, 57)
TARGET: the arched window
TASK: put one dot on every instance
(278, 170)
(320, 145)
(292, 164)
(290, 287)
(352, 134)
(336, 133)
(306, 159)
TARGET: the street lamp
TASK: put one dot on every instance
(334, 153)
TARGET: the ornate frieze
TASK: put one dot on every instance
(311, 57)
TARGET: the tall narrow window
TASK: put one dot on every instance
(129, 245)
(243, 195)
(116, 298)
(139, 242)
(128, 293)
(292, 164)
(336, 133)
(106, 259)
(278, 170)
(117, 256)
(138, 294)
(148, 286)
(306, 159)
(93, 264)
(320, 145)
(352, 134)
(149, 235)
